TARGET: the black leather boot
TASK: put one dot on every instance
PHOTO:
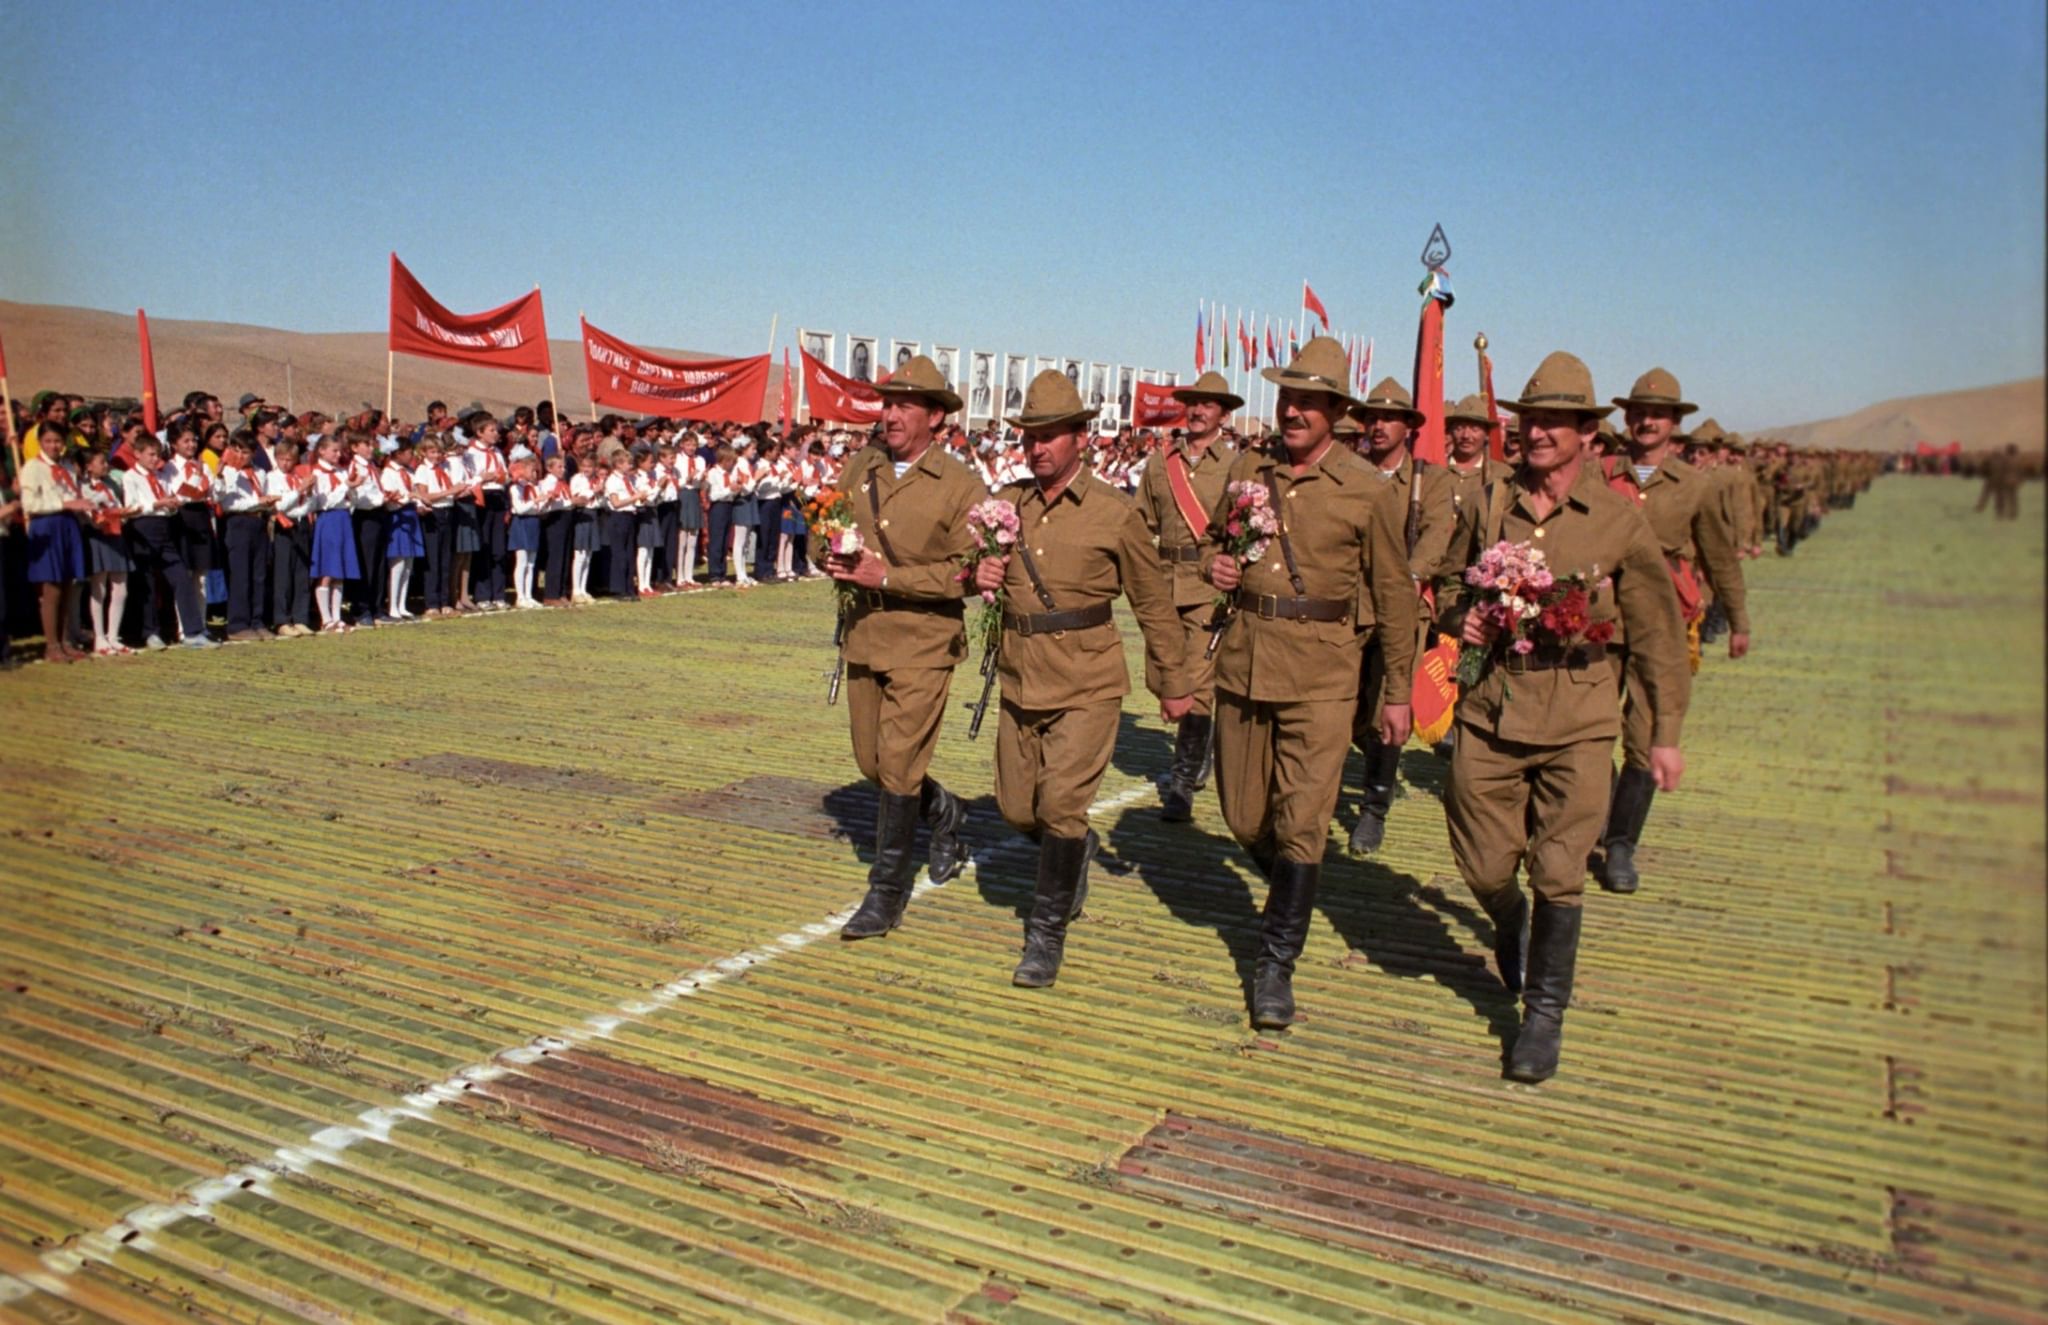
(1290, 901)
(1553, 957)
(889, 877)
(1190, 745)
(1508, 909)
(1062, 863)
(1634, 789)
(1207, 764)
(945, 815)
(1382, 766)
(1264, 855)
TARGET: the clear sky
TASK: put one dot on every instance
(1799, 207)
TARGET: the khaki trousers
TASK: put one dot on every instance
(1543, 804)
(1277, 770)
(895, 719)
(1201, 670)
(1049, 763)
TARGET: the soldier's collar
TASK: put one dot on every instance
(1330, 465)
(1076, 487)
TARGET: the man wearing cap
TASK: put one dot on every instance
(904, 632)
(1685, 511)
(1179, 488)
(1531, 765)
(1467, 429)
(1287, 670)
(1080, 542)
(1387, 418)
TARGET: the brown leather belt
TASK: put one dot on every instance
(879, 600)
(1171, 555)
(1548, 658)
(1273, 607)
(1048, 623)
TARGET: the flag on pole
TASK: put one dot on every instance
(149, 419)
(1293, 342)
(1311, 304)
(1200, 362)
(1428, 442)
(1224, 334)
(1272, 346)
(1365, 366)
(1496, 432)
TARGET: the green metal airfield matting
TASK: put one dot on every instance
(486, 970)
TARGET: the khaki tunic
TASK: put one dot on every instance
(1287, 690)
(900, 654)
(1532, 763)
(1689, 514)
(1192, 597)
(1435, 514)
(1062, 691)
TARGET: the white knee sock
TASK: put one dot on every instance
(582, 577)
(643, 568)
(117, 606)
(96, 609)
(689, 558)
(394, 585)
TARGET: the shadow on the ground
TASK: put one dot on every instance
(1198, 876)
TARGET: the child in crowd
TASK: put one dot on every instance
(289, 484)
(368, 513)
(186, 476)
(586, 496)
(646, 518)
(746, 510)
(525, 533)
(245, 506)
(434, 488)
(668, 496)
(690, 468)
(54, 500)
(166, 596)
(106, 556)
(465, 468)
(334, 541)
(557, 520)
(617, 528)
(403, 542)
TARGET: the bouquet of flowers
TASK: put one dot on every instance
(1249, 528)
(995, 527)
(829, 518)
(1531, 606)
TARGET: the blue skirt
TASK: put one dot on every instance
(690, 514)
(746, 511)
(334, 547)
(406, 539)
(467, 539)
(56, 551)
(583, 534)
(107, 554)
(525, 534)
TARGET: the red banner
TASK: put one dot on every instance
(148, 372)
(1153, 406)
(513, 336)
(1496, 430)
(836, 398)
(1428, 441)
(1435, 693)
(634, 381)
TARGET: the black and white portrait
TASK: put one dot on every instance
(860, 358)
(981, 397)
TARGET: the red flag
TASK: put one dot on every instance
(1200, 361)
(835, 397)
(1272, 346)
(1428, 441)
(629, 378)
(1311, 304)
(511, 336)
(148, 372)
(1153, 406)
(3, 371)
(788, 389)
(1496, 432)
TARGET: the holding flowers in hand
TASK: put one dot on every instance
(1249, 527)
(995, 526)
(1520, 605)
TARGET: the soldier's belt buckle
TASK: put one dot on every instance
(1268, 606)
(871, 599)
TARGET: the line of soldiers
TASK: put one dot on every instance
(1317, 641)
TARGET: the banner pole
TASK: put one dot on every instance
(390, 366)
(773, 322)
(288, 388)
(13, 438)
(583, 348)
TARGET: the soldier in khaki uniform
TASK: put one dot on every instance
(904, 634)
(1181, 485)
(1079, 544)
(1287, 671)
(1686, 511)
(1388, 418)
(1530, 770)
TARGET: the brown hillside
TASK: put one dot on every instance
(1980, 418)
(94, 353)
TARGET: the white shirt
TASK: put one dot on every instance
(553, 493)
(238, 489)
(486, 466)
(581, 489)
(437, 484)
(395, 482)
(720, 484)
(366, 492)
(186, 478)
(618, 491)
(291, 503)
(149, 498)
(331, 490)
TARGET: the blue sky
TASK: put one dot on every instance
(1800, 208)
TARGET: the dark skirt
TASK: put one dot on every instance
(406, 540)
(56, 550)
(583, 538)
(106, 554)
(690, 514)
(467, 537)
(525, 536)
(746, 511)
(646, 528)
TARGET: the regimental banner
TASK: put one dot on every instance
(634, 381)
(836, 398)
(1435, 692)
(1153, 406)
(512, 336)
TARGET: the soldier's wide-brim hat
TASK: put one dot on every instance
(1209, 386)
(1051, 401)
(1657, 387)
(1320, 366)
(1390, 397)
(1561, 382)
(1708, 433)
(920, 379)
(1469, 409)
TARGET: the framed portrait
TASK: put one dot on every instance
(901, 352)
(1098, 386)
(1072, 368)
(1126, 377)
(818, 344)
(981, 384)
(947, 359)
(1016, 373)
(860, 358)
(1046, 361)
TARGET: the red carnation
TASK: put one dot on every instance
(1600, 632)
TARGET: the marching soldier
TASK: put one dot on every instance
(1467, 428)
(1530, 768)
(2002, 476)
(1287, 672)
(1079, 543)
(1425, 492)
(1181, 485)
(904, 634)
(1686, 513)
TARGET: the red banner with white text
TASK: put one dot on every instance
(1153, 406)
(836, 398)
(635, 381)
(512, 336)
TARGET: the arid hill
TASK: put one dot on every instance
(94, 353)
(1981, 418)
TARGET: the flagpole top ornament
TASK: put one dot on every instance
(1479, 342)
(1438, 250)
